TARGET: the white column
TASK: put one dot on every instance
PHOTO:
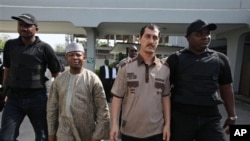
(91, 49)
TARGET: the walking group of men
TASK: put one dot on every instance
(176, 100)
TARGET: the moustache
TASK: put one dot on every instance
(150, 45)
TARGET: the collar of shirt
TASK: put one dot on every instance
(36, 41)
(207, 50)
(140, 60)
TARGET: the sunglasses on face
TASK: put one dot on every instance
(133, 50)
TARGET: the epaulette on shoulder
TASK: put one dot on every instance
(123, 64)
(164, 63)
(133, 59)
(128, 61)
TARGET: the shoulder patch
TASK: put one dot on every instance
(128, 61)
(165, 63)
(123, 64)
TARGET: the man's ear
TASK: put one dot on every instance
(37, 28)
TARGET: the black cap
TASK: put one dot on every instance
(198, 25)
(27, 18)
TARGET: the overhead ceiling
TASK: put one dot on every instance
(108, 28)
(45, 27)
(173, 29)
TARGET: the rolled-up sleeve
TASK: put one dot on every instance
(120, 85)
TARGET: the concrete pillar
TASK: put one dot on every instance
(235, 51)
(91, 48)
(235, 45)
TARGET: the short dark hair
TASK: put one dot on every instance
(150, 26)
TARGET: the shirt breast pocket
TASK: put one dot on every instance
(159, 87)
(132, 85)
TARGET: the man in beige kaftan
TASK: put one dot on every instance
(77, 109)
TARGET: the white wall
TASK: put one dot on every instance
(178, 41)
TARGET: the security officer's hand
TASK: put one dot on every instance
(229, 121)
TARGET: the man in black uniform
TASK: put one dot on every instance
(196, 73)
(25, 60)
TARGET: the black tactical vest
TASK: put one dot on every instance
(196, 79)
(27, 69)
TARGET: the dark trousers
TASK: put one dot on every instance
(190, 127)
(152, 138)
(20, 104)
(107, 84)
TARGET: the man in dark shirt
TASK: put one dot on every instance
(25, 60)
(196, 74)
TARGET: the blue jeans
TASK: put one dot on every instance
(22, 103)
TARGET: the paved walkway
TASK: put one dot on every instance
(242, 108)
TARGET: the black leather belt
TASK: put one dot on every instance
(24, 92)
(195, 109)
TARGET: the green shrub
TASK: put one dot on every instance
(97, 71)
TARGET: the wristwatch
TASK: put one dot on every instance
(233, 118)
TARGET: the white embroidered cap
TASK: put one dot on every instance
(74, 47)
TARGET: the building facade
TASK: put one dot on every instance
(104, 18)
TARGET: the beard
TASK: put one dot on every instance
(26, 35)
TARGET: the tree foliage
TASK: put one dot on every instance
(3, 39)
(60, 48)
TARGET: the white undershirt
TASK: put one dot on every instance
(106, 72)
(114, 73)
